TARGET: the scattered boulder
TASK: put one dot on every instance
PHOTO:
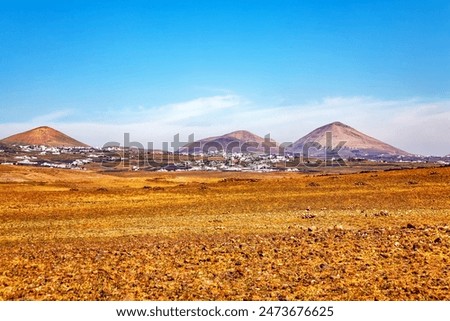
(381, 213)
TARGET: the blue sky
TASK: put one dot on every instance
(96, 69)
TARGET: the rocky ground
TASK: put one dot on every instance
(67, 235)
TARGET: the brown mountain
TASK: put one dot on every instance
(354, 142)
(237, 141)
(43, 136)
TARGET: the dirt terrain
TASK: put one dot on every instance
(85, 235)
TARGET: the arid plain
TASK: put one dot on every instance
(86, 235)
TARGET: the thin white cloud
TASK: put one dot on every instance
(199, 107)
(181, 113)
(414, 125)
(53, 116)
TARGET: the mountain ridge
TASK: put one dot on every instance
(229, 142)
(355, 143)
(43, 135)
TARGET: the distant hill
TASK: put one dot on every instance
(356, 143)
(43, 136)
(235, 141)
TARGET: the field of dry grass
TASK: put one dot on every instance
(68, 235)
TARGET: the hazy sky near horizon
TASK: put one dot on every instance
(97, 69)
